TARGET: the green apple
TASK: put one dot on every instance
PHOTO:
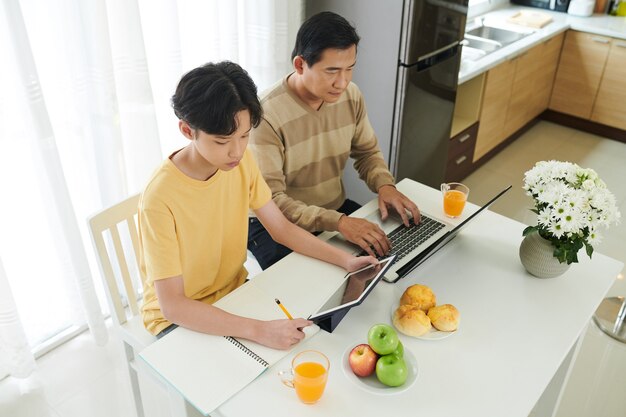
(391, 370)
(382, 338)
(399, 352)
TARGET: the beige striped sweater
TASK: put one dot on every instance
(302, 153)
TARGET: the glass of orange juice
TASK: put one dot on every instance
(454, 198)
(308, 375)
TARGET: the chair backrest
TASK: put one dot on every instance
(107, 222)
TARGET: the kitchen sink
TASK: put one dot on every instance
(474, 48)
(503, 36)
(486, 45)
(481, 40)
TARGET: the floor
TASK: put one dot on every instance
(79, 378)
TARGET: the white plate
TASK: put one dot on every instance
(371, 384)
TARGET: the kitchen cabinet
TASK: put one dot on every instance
(522, 90)
(580, 69)
(464, 129)
(494, 104)
(467, 104)
(572, 74)
(460, 154)
(516, 92)
(534, 75)
(546, 70)
(609, 107)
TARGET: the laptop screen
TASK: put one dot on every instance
(442, 241)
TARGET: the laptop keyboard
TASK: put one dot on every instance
(405, 239)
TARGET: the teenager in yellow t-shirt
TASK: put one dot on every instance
(193, 215)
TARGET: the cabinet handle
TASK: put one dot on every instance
(599, 40)
(467, 135)
(620, 44)
(460, 160)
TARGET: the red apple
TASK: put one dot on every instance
(362, 360)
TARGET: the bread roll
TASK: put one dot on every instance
(411, 320)
(444, 317)
(420, 296)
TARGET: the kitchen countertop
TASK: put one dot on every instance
(599, 24)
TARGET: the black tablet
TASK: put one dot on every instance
(353, 289)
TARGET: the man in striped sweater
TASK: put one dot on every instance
(314, 120)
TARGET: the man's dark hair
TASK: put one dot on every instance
(209, 97)
(322, 31)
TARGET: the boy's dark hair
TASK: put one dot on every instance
(209, 97)
(322, 31)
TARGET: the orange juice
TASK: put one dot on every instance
(309, 381)
(453, 202)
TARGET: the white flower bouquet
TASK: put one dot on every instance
(571, 204)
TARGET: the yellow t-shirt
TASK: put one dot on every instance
(197, 229)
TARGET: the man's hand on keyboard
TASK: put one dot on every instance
(365, 234)
(388, 197)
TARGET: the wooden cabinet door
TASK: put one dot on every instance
(610, 105)
(523, 90)
(544, 80)
(578, 77)
(493, 112)
(460, 154)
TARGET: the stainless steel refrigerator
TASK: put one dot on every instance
(407, 68)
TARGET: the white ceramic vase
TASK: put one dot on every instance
(536, 254)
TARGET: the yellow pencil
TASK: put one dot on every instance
(282, 307)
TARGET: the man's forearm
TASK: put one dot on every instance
(308, 217)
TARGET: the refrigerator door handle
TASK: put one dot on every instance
(450, 49)
(432, 59)
(437, 52)
(401, 83)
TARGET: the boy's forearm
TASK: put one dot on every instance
(301, 241)
(205, 318)
(298, 239)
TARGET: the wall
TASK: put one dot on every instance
(478, 7)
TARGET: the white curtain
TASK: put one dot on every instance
(84, 119)
(15, 356)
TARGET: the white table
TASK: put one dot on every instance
(515, 332)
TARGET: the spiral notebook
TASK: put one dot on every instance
(222, 365)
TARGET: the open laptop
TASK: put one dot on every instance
(413, 245)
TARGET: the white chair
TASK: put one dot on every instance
(252, 265)
(129, 322)
(123, 303)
